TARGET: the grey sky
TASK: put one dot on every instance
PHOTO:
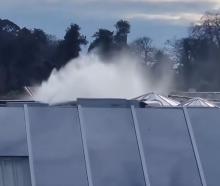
(158, 19)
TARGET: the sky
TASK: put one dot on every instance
(159, 19)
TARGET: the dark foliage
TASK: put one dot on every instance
(28, 56)
(199, 55)
(106, 42)
(70, 47)
(103, 42)
(122, 31)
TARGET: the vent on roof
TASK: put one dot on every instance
(198, 102)
(154, 99)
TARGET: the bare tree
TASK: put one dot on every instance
(143, 47)
(208, 28)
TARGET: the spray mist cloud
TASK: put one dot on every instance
(89, 77)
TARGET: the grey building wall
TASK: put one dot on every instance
(113, 143)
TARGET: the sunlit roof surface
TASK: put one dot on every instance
(160, 99)
(198, 102)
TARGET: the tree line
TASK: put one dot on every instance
(27, 56)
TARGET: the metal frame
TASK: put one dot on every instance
(85, 146)
(194, 145)
(140, 146)
(30, 150)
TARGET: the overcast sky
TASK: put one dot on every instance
(158, 19)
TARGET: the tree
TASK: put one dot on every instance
(200, 54)
(208, 28)
(70, 47)
(24, 56)
(30, 64)
(8, 26)
(103, 42)
(106, 43)
(122, 31)
(142, 47)
(8, 33)
(28, 56)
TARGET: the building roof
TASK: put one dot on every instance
(112, 142)
(157, 98)
(198, 102)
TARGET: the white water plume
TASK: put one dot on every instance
(89, 77)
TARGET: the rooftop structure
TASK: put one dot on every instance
(213, 97)
(157, 99)
(198, 102)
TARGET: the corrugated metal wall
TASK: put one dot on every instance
(97, 143)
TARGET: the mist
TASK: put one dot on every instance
(90, 77)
